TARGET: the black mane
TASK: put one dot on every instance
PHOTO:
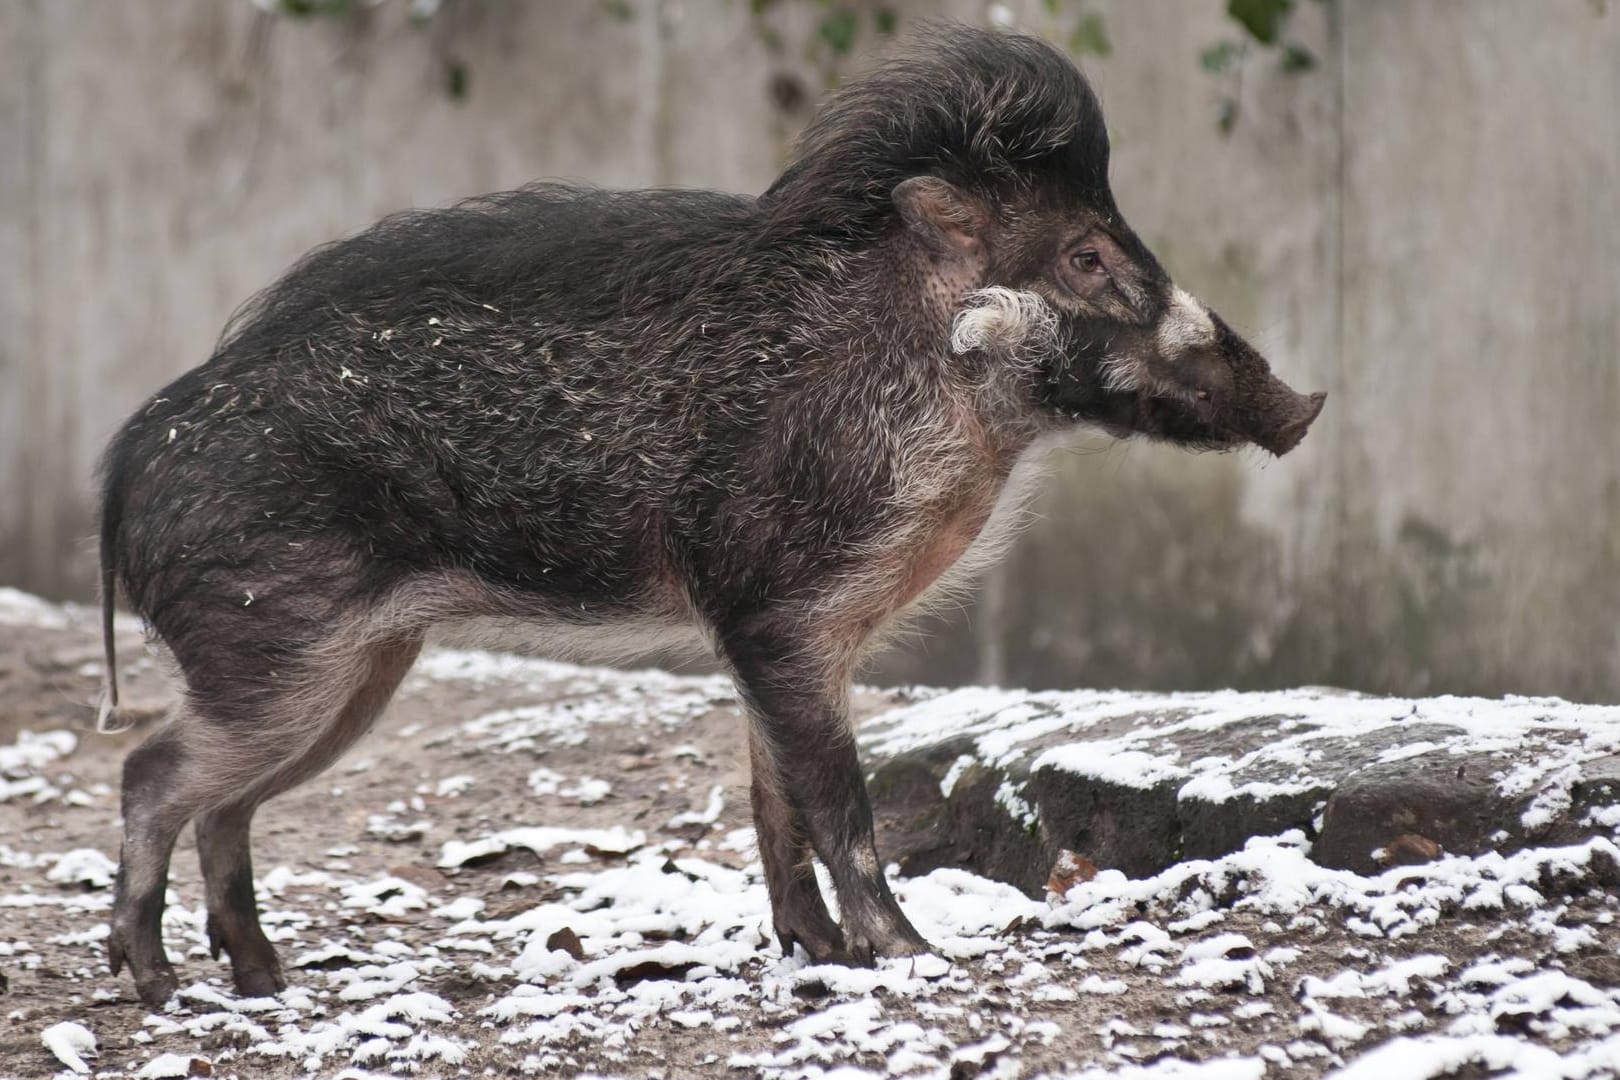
(991, 112)
(506, 250)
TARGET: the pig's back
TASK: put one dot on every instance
(527, 386)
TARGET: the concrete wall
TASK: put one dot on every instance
(1427, 225)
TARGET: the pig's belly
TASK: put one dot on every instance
(464, 609)
(617, 638)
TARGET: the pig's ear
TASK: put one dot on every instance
(948, 219)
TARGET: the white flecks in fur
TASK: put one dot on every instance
(1121, 373)
(1004, 320)
(1186, 325)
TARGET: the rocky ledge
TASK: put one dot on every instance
(1002, 782)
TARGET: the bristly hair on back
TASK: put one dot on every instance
(993, 113)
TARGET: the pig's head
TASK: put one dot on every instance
(1107, 339)
(983, 157)
(1059, 279)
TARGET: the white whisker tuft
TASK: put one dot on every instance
(999, 319)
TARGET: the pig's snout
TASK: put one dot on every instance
(1290, 421)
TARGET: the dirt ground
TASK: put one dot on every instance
(403, 963)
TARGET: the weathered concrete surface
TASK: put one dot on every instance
(1422, 225)
(1003, 781)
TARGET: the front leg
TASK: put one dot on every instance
(808, 787)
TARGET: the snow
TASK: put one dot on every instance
(1176, 1069)
(650, 928)
(70, 1042)
(451, 786)
(18, 608)
(84, 866)
(708, 815)
(1424, 1057)
(22, 762)
(166, 1066)
(947, 783)
(540, 839)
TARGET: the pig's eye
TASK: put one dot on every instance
(1087, 261)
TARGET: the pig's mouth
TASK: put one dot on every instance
(1191, 425)
(1201, 424)
(1260, 410)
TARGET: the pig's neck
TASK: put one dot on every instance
(977, 397)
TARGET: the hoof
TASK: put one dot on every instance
(155, 980)
(863, 947)
(259, 982)
(157, 988)
(254, 967)
(867, 950)
(821, 947)
(828, 943)
(812, 929)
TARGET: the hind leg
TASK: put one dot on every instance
(364, 676)
(224, 850)
(161, 792)
(798, 911)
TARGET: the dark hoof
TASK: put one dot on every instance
(157, 987)
(155, 980)
(850, 945)
(863, 952)
(254, 966)
(858, 950)
(259, 982)
(820, 938)
(863, 948)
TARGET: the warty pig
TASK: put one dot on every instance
(767, 426)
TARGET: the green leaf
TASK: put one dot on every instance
(885, 20)
(455, 80)
(1263, 19)
(1297, 58)
(1090, 37)
(306, 8)
(1220, 57)
(837, 29)
(1226, 115)
(1053, 7)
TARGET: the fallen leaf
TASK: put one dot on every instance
(1069, 870)
(565, 940)
(1409, 849)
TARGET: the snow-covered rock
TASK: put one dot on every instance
(1003, 780)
